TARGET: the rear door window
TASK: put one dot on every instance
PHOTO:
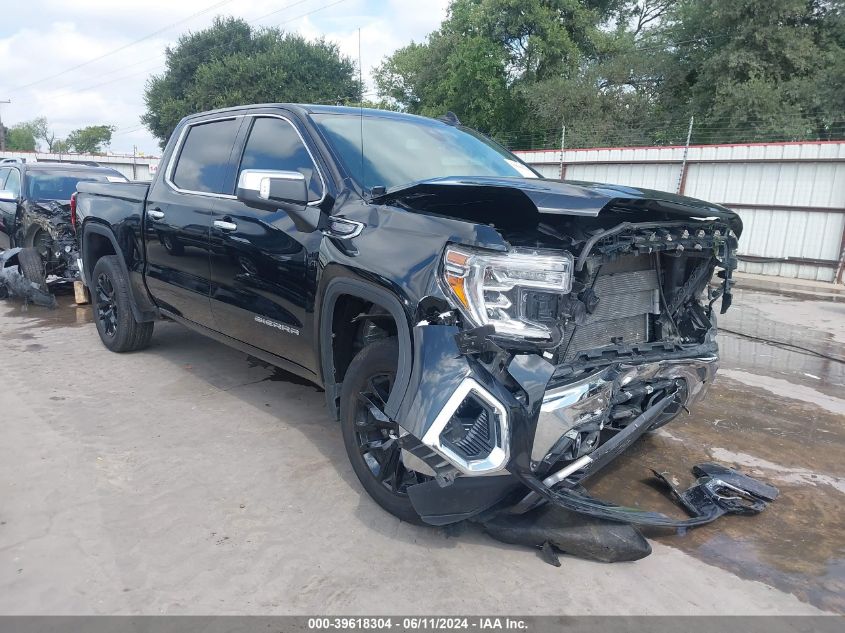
(4, 172)
(275, 144)
(13, 182)
(203, 160)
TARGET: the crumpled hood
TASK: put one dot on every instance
(54, 213)
(50, 207)
(572, 198)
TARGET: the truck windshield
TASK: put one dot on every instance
(400, 151)
(60, 185)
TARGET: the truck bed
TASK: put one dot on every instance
(128, 191)
(111, 203)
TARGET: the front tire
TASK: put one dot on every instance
(116, 325)
(373, 446)
(32, 267)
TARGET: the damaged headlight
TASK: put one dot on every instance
(515, 292)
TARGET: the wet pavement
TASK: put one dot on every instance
(776, 411)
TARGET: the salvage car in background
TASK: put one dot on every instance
(487, 338)
(35, 209)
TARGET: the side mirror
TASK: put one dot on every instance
(8, 196)
(270, 189)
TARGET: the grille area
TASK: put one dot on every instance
(469, 432)
(628, 293)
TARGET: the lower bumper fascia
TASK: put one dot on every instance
(464, 498)
(441, 370)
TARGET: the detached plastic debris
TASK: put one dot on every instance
(552, 528)
(721, 490)
(599, 530)
(14, 284)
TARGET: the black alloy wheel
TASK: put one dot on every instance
(378, 441)
(371, 439)
(112, 305)
(106, 306)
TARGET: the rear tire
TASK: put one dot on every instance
(32, 267)
(116, 325)
(380, 471)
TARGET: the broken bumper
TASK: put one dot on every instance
(567, 411)
(487, 431)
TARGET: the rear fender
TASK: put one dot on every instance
(143, 308)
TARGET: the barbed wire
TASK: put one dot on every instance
(674, 134)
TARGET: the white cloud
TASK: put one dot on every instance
(45, 37)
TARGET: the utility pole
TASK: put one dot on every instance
(682, 176)
(562, 150)
(3, 130)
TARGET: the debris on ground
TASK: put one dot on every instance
(551, 528)
(14, 283)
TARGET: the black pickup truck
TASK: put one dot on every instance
(486, 337)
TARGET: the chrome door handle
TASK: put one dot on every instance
(155, 214)
(225, 226)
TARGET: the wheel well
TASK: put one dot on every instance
(96, 246)
(343, 333)
(351, 319)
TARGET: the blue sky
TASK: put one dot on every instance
(50, 44)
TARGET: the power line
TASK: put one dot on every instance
(125, 46)
(210, 49)
(147, 59)
(71, 83)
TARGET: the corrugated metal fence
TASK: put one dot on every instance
(133, 167)
(791, 196)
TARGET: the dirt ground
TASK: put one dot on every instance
(189, 478)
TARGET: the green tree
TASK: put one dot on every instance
(487, 54)
(21, 137)
(748, 68)
(629, 71)
(91, 139)
(231, 64)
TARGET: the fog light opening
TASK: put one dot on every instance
(471, 431)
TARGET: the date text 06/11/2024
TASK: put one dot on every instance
(421, 623)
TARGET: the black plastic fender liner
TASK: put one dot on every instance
(465, 497)
(570, 532)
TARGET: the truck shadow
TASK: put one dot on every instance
(293, 404)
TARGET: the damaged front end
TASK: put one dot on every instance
(47, 226)
(560, 353)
